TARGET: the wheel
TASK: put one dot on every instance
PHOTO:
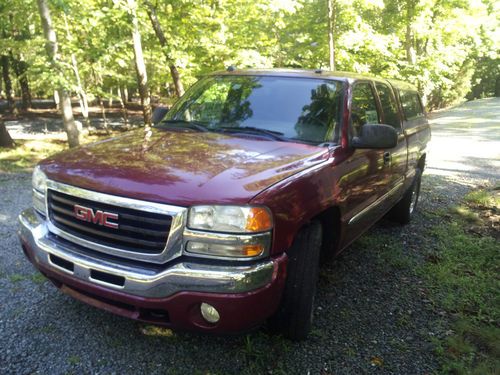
(403, 211)
(295, 314)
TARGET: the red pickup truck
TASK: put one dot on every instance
(217, 218)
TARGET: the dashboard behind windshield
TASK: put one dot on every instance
(300, 109)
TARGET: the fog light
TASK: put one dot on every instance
(209, 313)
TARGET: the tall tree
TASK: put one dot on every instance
(140, 66)
(21, 68)
(51, 47)
(331, 31)
(7, 82)
(5, 138)
(179, 88)
(82, 95)
(409, 37)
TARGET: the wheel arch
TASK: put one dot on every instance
(331, 224)
(421, 162)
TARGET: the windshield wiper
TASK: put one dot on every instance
(250, 129)
(195, 125)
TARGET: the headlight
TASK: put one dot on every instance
(39, 182)
(230, 219)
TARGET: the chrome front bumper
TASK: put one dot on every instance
(140, 281)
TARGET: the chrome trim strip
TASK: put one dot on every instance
(40, 197)
(415, 129)
(373, 205)
(115, 200)
(143, 281)
(173, 246)
(104, 283)
(227, 239)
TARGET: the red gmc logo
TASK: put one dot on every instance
(98, 217)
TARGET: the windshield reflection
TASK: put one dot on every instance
(283, 108)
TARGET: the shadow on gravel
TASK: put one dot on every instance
(371, 315)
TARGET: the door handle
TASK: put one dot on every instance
(387, 158)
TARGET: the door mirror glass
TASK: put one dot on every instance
(376, 136)
(158, 114)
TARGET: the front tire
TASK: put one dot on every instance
(295, 315)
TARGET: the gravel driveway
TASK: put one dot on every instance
(372, 315)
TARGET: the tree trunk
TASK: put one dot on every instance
(110, 99)
(5, 138)
(409, 41)
(57, 101)
(72, 131)
(122, 105)
(82, 95)
(7, 83)
(140, 66)
(21, 69)
(125, 95)
(179, 88)
(331, 29)
(103, 113)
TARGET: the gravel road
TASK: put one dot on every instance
(372, 315)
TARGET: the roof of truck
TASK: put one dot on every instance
(318, 73)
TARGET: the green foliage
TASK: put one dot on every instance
(449, 48)
(462, 275)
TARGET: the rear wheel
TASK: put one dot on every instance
(404, 210)
(294, 318)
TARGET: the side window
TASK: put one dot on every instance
(411, 104)
(389, 106)
(364, 107)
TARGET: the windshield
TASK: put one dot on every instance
(297, 109)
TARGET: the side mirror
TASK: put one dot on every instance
(376, 136)
(158, 114)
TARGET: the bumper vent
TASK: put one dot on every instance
(131, 230)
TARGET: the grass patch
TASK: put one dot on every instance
(463, 278)
(16, 277)
(261, 353)
(28, 152)
(390, 253)
(74, 360)
(483, 197)
(38, 278)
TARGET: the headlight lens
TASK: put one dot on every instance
(39, 182)
(230, 219)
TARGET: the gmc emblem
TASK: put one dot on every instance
(98, 217)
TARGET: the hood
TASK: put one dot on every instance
(182, 167)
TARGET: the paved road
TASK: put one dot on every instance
(371, 317)
(465, 145)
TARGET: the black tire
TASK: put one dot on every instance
(294, 317)
(404, 210)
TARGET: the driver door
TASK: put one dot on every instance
(368, 173)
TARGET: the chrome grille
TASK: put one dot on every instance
(138, 231)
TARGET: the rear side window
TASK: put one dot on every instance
(411, 104)
(389, 106)
(364, 107)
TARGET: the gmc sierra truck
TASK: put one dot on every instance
(216, 218)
